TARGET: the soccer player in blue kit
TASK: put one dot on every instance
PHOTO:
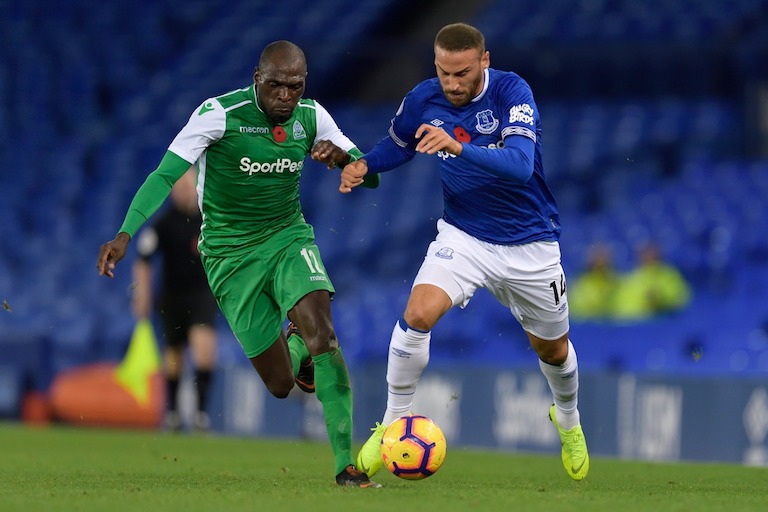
(499, 230)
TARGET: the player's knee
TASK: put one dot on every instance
(553, 352)
(419, 318)
(555, 359)
(281, 392)
(324, 341)
(280, 388)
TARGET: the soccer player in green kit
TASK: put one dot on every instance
(258, 251)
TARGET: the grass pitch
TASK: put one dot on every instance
(67, 469)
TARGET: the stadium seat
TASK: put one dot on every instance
(109, 96)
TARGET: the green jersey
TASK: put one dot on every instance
(249, 168)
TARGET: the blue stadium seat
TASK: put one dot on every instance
(110, 95)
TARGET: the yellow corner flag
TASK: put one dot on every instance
(140, 362)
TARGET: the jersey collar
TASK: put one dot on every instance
(256, 98)
(486, 75)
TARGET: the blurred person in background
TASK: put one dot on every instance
(592, 292)
(185, 304)
(258, 251)
(499, 230)
(653, 288)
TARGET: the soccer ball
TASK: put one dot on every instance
(413, 447)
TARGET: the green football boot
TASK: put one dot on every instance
(369, 459)
(574, 453)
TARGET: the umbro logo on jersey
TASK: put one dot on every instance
(436, 122)
(207, 107)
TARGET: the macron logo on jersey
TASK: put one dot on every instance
(254, 129)
(207, 107)
(521, 114)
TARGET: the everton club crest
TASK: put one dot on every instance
(486, 123)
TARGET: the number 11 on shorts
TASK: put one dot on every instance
(311, 260)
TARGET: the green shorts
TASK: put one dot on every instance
(256, 290)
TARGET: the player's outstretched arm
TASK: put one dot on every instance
(330, 154)
(112, 252)
(352, 175)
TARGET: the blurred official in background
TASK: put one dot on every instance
(185, 304)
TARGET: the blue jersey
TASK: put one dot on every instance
(487, 190)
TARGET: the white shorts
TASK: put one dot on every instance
(527, 278)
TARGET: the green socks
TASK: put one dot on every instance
(335, 393)
(298, 351)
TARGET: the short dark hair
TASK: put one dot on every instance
(458, 37)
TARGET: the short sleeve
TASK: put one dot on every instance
(205, 126)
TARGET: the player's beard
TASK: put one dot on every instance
(466, 94)
(457, 101)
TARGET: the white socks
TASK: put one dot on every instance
(564, 383)
(408, 356)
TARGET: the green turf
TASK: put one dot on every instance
(67, 469)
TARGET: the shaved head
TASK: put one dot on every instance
(283, 54)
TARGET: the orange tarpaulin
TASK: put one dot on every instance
(91, 395)
(130, 394)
